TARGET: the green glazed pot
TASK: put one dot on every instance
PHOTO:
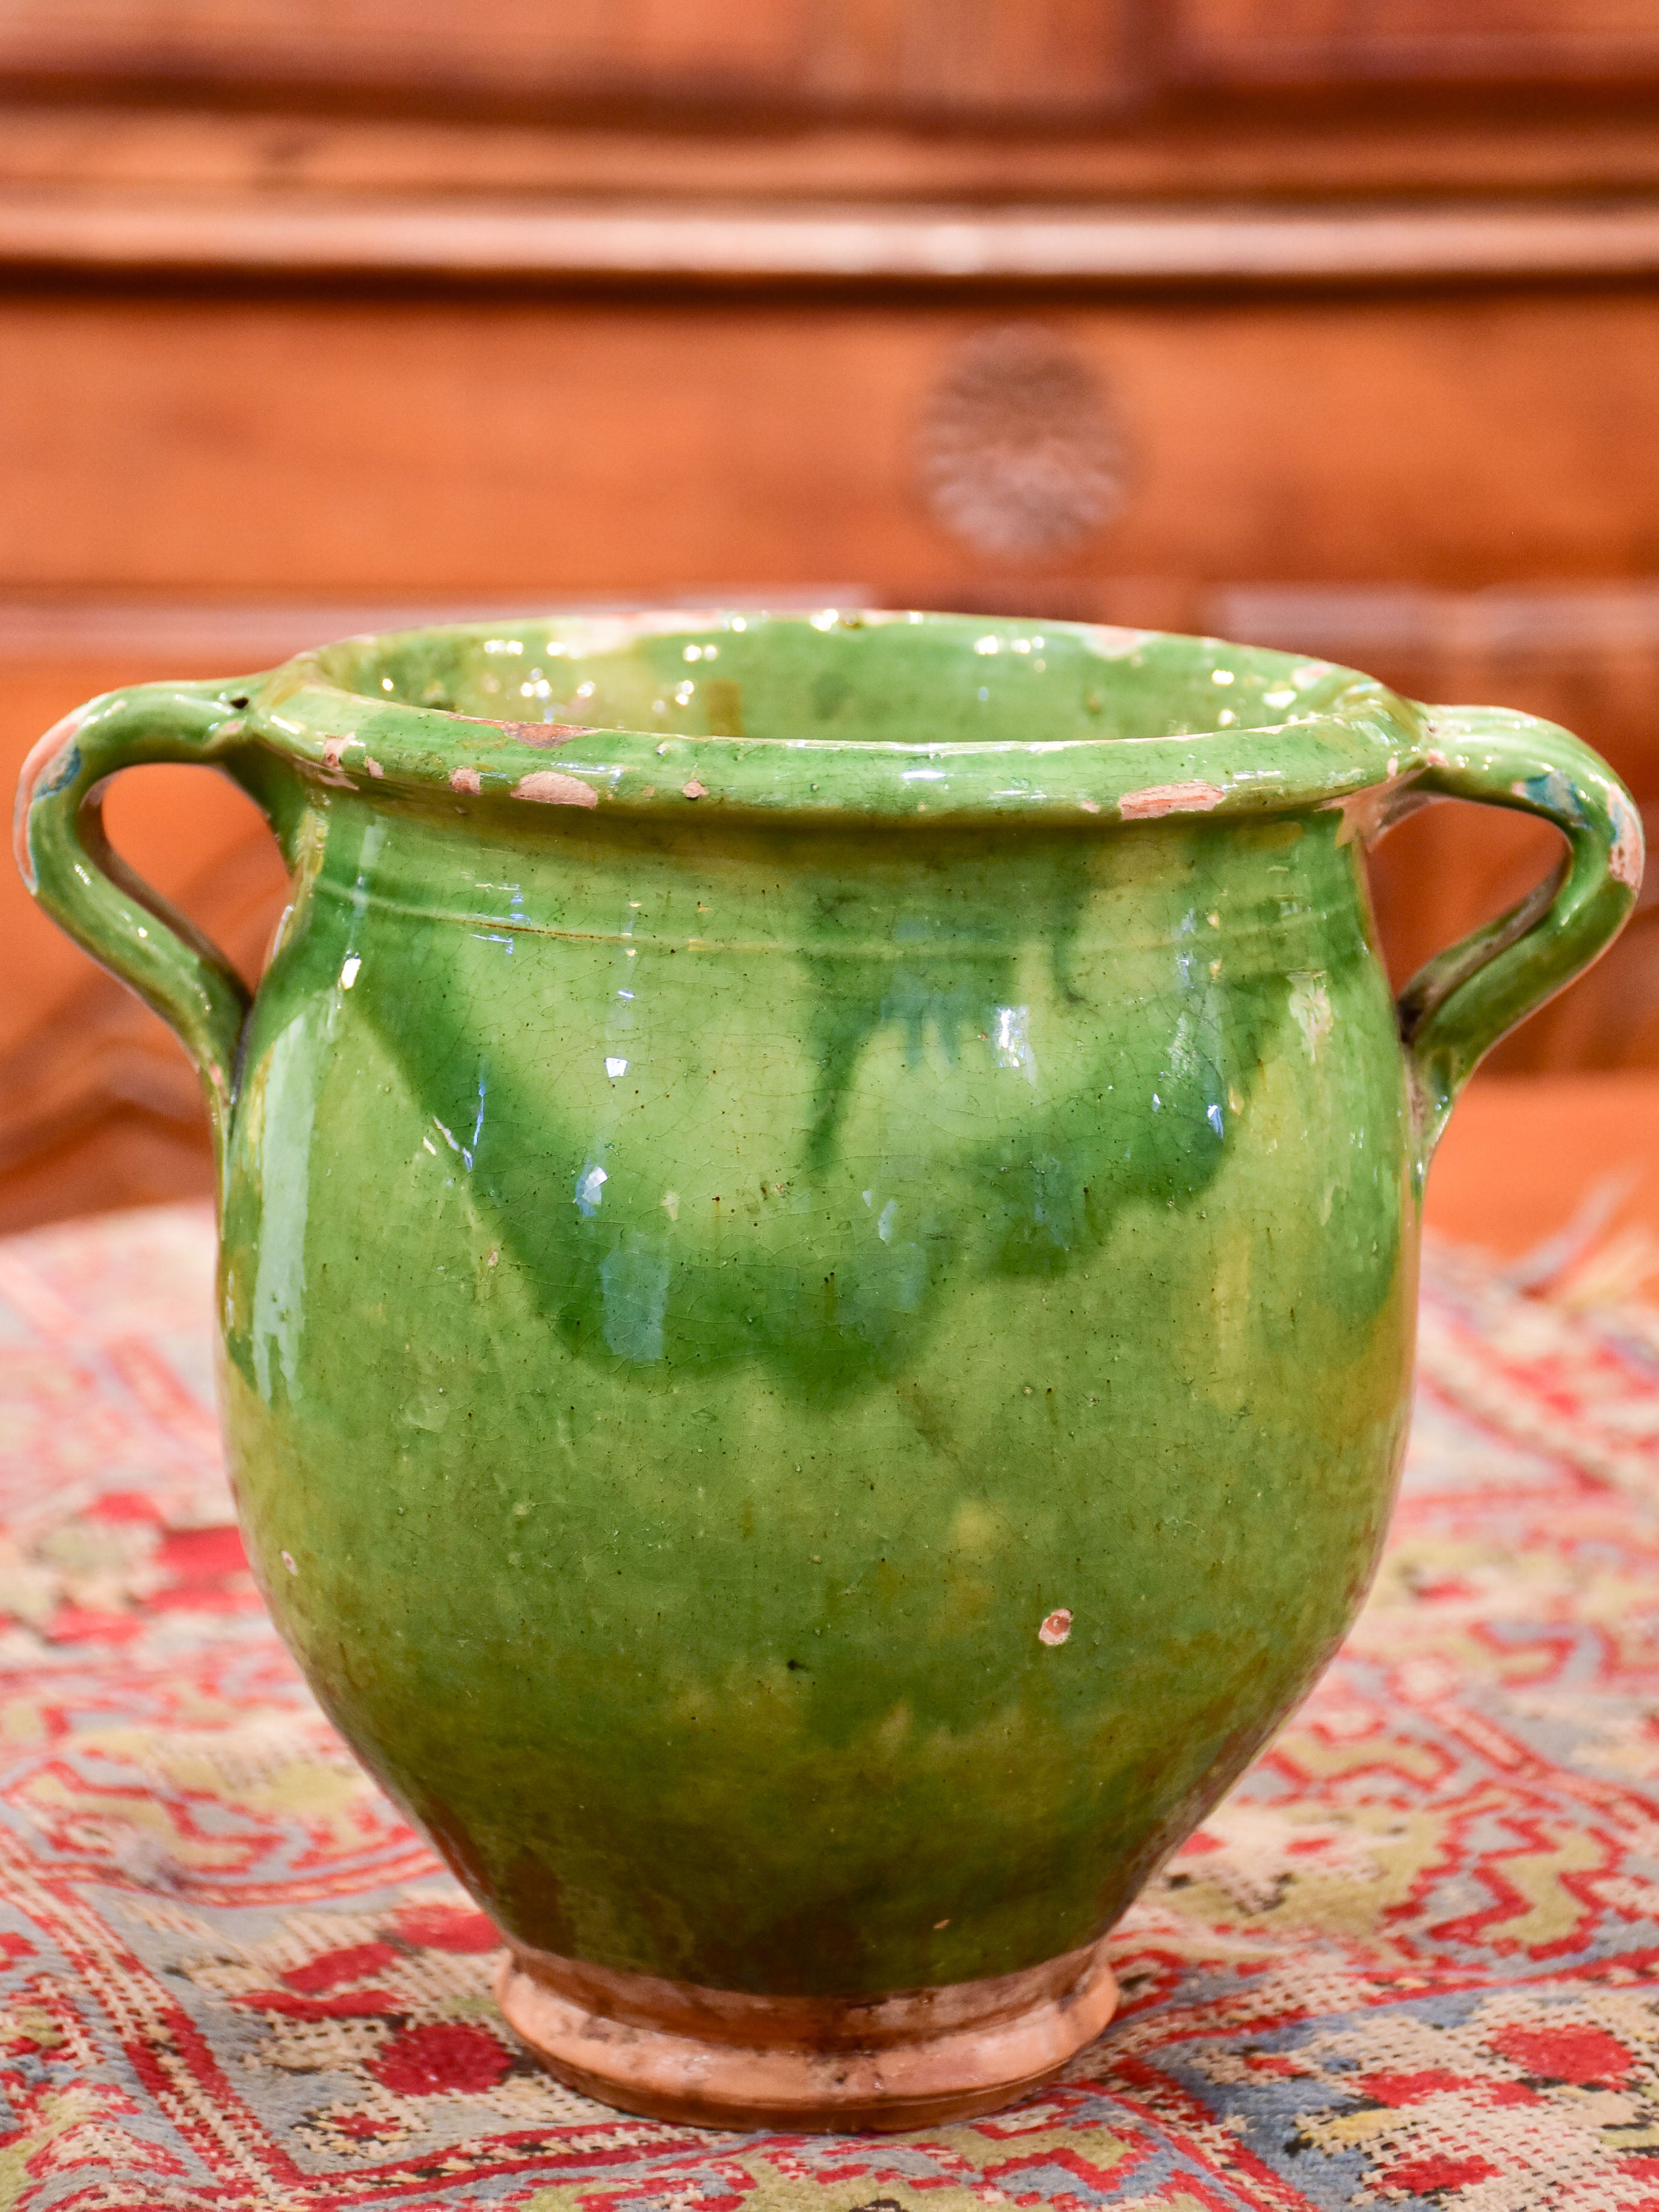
(819, 1222)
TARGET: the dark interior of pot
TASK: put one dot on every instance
(841, 677)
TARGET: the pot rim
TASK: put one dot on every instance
(1354, 737)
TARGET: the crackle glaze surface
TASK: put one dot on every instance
(819, 1240)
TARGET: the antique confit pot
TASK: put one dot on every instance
(819, 1225)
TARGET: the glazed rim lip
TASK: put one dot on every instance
(1367, 738)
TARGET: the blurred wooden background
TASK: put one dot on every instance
(1329, 323)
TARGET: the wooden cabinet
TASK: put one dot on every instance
(1476, 42)
(1331, 325)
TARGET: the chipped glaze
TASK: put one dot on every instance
(44, 766)
(1629, 853)
(553, 789)
(816, 1328)
(1190, 797)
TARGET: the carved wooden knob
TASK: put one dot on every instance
(1021, 456)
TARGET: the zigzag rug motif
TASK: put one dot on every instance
(1413, 1961)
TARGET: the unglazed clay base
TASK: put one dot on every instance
(678, 2052)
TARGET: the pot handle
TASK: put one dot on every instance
(1458, 1005)
(70, 867)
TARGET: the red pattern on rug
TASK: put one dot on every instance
(1411, 1960)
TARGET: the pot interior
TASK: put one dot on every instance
(841, 677)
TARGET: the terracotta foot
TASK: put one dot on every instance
(677, 2052)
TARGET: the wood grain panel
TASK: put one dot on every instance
(512, 44)
(1016, 57)
(571, 448)
(1011, 57)
(1347, 42)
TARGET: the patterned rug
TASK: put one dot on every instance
(1412, 1961)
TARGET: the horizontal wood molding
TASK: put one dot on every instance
(241, 635)
(1021, 60)
(519, 242)
(1360, 624)
(1535, 621)
(1586, 653)
(1227, 150)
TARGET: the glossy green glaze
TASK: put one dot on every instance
(819, 1226)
